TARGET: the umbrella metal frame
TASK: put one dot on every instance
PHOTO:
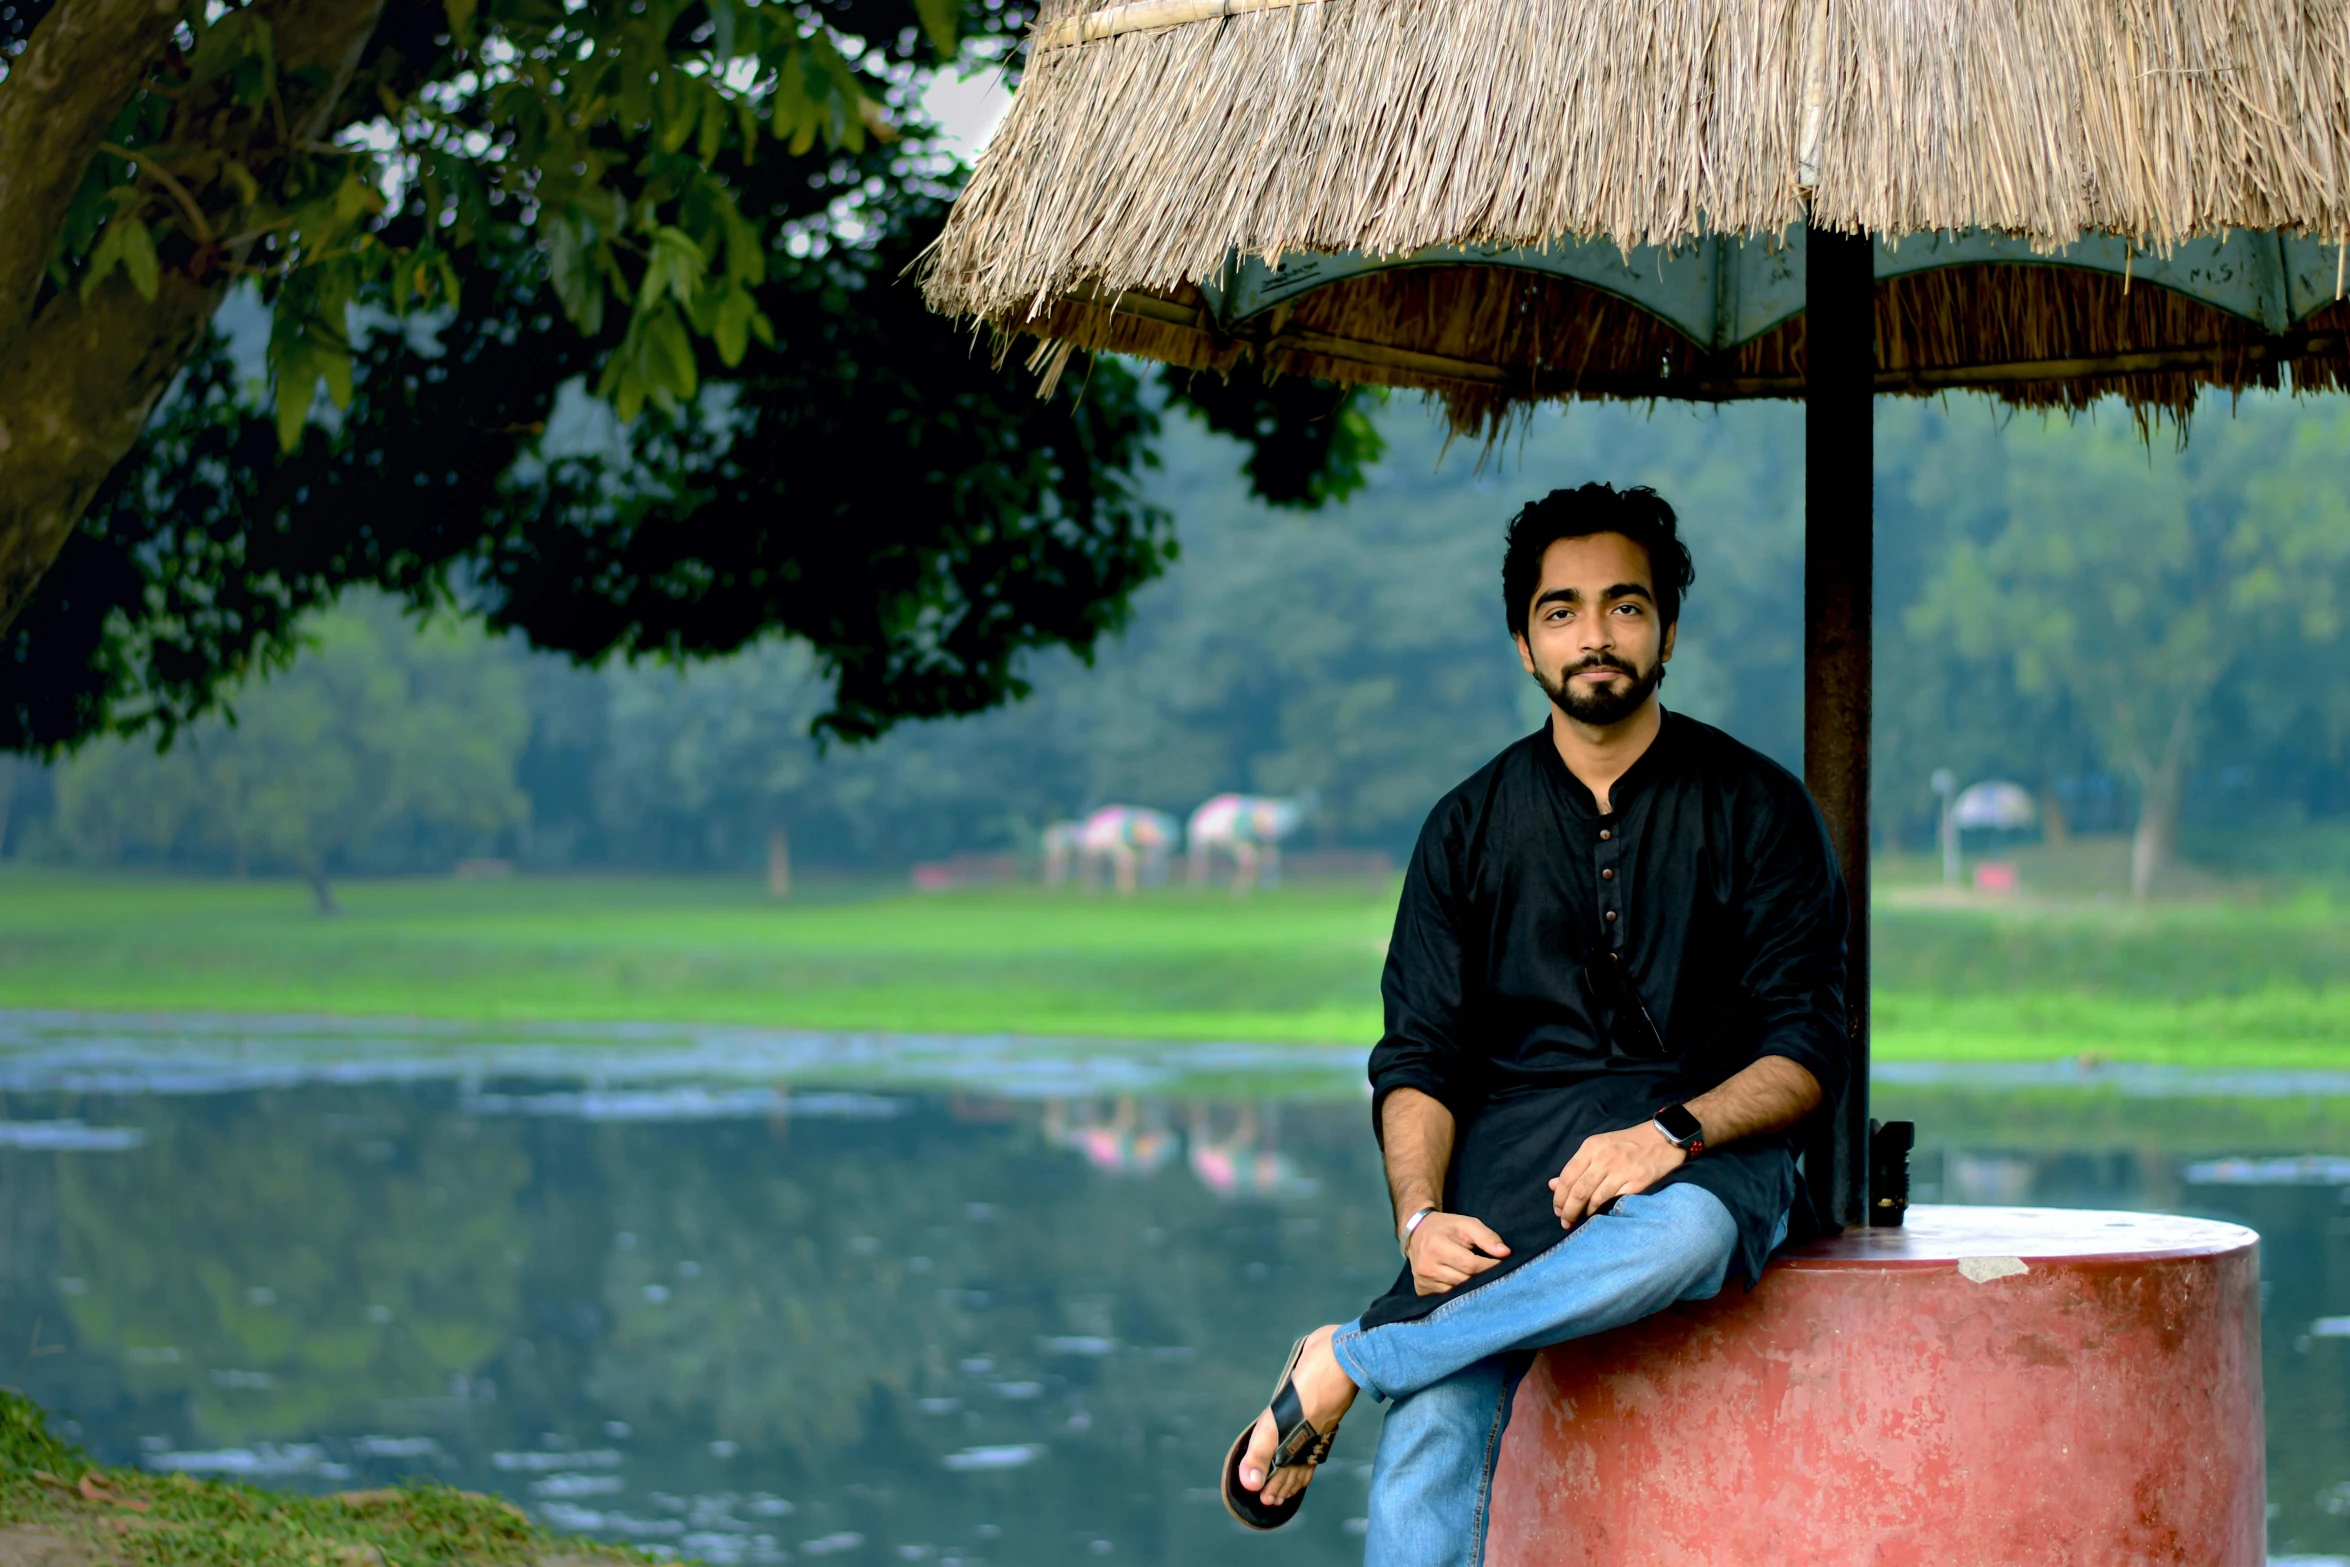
(1724, 291)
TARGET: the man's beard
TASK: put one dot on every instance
(1603, 705)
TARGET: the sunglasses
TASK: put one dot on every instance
(1630, 1027)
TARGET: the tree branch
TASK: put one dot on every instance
(82, 65)
(197, 223)
(77, 383)
(2182, 726)
(2125, 729)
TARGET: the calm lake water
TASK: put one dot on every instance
(756, 1297)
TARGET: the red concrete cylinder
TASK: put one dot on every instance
(1984, 1386)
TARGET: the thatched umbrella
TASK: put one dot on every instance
(1501, 201)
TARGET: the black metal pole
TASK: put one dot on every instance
(1839, 558)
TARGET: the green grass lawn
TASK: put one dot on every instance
(2201, 982)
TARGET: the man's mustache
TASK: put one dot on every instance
(1599, 661)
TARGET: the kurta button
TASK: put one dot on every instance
(1611, 916)
(1605, 833)
(1608, 874)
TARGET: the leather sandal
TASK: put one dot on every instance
(1297, 1442)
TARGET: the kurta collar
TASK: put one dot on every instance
(1653, 764)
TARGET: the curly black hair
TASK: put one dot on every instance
(1639, 514)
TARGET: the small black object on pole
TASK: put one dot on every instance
(1889, 1146)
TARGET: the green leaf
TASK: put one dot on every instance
(713, 127)
(746, 255)
(240, 46)
(746, 120)
(799, 115)
(635, 106)
(257, 71)
(354, 197)
(843, 103)
(95, 199)
(574, 270)
(627, 377)
(675, 268)
(335, 367)
(675, 110)
(127, 244)
(218, 49)
(622, 380)
(669, 354)
(303, 351)
(655, 360)
(730, 325)
(105, 256)
(138, 255)
(938, 20)
(294, 392)
(461, 21)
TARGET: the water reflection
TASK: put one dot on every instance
(770, 1320)
(1130, 1140)
(275, 1261)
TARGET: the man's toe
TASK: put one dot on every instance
(1259, 1455)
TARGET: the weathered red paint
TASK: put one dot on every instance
(1870, 1402)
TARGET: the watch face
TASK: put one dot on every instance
(1679, 1124)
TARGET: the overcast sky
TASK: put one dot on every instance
(968, 107)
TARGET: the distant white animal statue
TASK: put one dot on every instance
(1249, 828)
(1132, 840)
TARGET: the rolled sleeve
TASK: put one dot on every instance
(1796, 925)
(1425, 986)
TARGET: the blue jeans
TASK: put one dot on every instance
(1451, 1373)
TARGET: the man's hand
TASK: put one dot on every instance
(1611, 1165)
(1449, 1249)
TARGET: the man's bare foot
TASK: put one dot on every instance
(1326, 1392)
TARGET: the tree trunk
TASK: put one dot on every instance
(322, 893)
(73, 399)
(1946, 837)
(2156, 842)
(778, 864)
(78, 381)
(2055, 826)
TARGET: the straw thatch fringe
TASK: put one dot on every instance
(1144, 16)
(1142, 160)
(1488, 342)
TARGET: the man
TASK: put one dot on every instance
(1614, 990)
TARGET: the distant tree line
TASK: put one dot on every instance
(2139, 634)
(2130, 627)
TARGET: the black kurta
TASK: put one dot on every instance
(1713, 882)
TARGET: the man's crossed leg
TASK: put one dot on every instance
(1450, 1375)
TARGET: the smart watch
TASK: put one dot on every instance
(1682, 1129)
